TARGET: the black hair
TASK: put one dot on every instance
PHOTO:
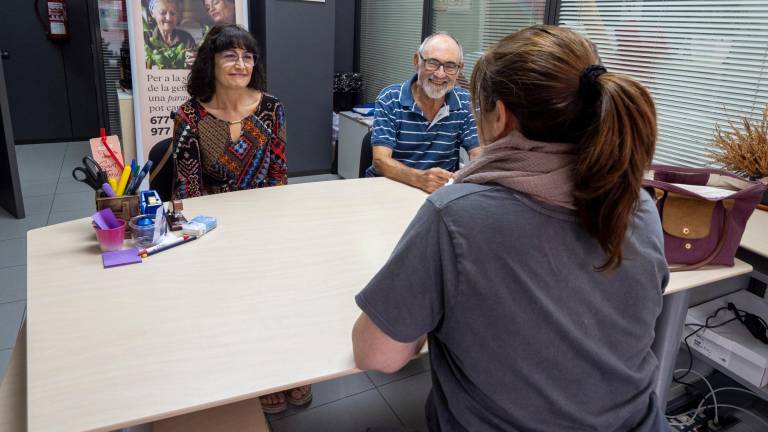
(201, 83)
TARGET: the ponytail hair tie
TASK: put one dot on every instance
(587, 82)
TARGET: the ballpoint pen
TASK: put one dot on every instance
(165, 246)
(139, 178)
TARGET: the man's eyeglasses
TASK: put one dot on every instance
(432, 65)
(232, 57)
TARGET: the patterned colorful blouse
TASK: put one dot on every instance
(207, 161)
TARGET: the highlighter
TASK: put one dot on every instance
(123, 180)
(112, 183)
(108, 191)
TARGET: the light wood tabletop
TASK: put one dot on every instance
(681, 281)
(262, 303)
(755, 238)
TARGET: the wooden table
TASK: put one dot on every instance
(263, 303)
(669, 325)
(754, 244)
(755, 237)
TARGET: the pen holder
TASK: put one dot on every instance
(111, 239)
(124, 207)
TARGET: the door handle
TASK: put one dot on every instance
(5, 54)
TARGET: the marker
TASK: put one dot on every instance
(140, 178)
(123, 181)
(165, 246)
(112, 183)
(108, 191)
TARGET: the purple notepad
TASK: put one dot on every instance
(123, 257)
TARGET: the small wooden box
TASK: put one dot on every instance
(124, 207)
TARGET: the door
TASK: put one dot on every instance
(52, 85)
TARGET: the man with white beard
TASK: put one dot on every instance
(419, 125)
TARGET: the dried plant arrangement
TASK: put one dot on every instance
(743, 149)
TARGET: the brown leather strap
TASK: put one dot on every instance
(718, 247)
(156, 169)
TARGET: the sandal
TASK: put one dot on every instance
(274, 403)
(305, 391)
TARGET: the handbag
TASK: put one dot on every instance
(703, 213)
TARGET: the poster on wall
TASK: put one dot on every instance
(164, 36)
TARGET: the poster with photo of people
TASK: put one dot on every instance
(164, 36)
(173, 29)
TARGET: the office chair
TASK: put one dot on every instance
(366, 155)
(161, 175)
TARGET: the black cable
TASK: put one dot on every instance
(700, 327)
(755, 324)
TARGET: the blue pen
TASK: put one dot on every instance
(140, 177)
(134, 168)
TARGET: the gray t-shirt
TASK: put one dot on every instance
(523, 334)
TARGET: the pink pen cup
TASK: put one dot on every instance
(111, 239)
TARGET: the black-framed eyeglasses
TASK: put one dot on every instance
(232, 57)
(432, 65)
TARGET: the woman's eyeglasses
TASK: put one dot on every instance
(230, 58)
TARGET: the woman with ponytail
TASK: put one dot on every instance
(537, 276)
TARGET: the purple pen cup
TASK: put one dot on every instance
(111, 239)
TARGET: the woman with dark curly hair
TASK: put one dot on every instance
(230, 135)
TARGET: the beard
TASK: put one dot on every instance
(434, 91)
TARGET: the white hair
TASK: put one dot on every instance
(153, 3)
(429, 38)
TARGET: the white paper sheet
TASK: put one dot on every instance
(707, 191)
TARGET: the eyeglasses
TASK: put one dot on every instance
(432, 65)
(231, 58)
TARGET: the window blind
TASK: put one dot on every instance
(390, 32)
(704, 62)
(479, 24)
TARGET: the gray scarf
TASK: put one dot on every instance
(542, 170)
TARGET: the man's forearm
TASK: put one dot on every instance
(395, 170)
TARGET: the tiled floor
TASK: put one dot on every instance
(51, 196)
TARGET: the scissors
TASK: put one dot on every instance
(90, 173)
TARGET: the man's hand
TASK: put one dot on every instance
(428, 181)
(433, 179)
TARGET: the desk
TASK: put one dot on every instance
(669, 325)
(265, 302)
(754, 250)
(754, 244)
(239, 320)
(352, 130)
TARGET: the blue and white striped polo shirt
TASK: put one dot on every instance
(416, 142)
